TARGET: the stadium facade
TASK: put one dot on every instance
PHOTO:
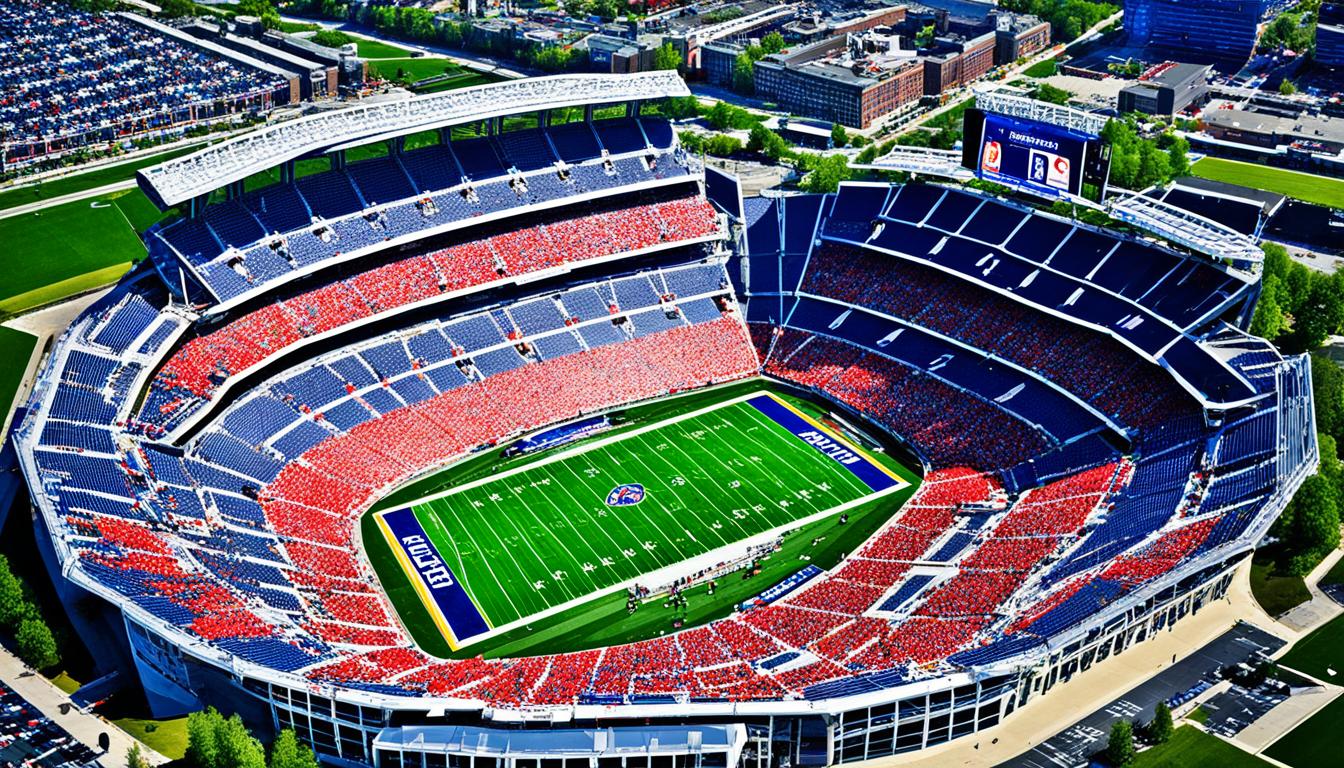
(1102, 441)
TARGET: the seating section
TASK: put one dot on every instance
(191, 376)
(73, 77)
(268, 234)
(1092, 367)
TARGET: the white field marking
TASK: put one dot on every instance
(700, 466)
(597, 521)
(577, 450)
(746, 503)
(581, 508)
(667, 573)
(527, 540)
(690, 508)
(577, 562)
(443, 531)
(685, 567)
(660, 504)
(767, 423)
(677, 472)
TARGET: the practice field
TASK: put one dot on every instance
(1303, 186)
(646, 504)
(1314, 742)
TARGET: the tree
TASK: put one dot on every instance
(1322, 312)
(679, 107)
(838, 136)
(925, 36)
(331, 38)
(1120, 747)
(827, 175)
(1268, 321)
(176, 9)
(136, 759)
(722, 145)
(744, 74)
(1287, 88)
(1051, 94)
(1159, 731)
(287, 752)
(35, 644)
(14, 605)
(767, 142)
(666, 57)
(1178, 162)
(772, 43)
(1327, 386)
(262, 9)
(237, 747)
(203, 738)
(1309, 525)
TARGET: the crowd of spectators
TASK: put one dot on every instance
(69, 72)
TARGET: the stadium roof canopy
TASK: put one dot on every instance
(200, 173)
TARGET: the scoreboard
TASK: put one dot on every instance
(1034, 157)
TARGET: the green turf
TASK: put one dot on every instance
(603, 620)
(1314, 742)
(1190, 747)
(1320, 651)
(377, 49)
(463, 79)
(1042, 68)
(1336, 573)
(78, 182)
(1302, 186)
(544, 536)
(1276, 593)
(16, 347)
(67, 241)
(413, 69)
(167, 737)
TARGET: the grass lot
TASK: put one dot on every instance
(417, 69)
(377, 49)
(167, 737)
(69, 248)
(464, 79)
(1042, 68)
(16, 347)
(1275, 593)
(1190, 747)
(1322, 649)
(79, 182)
(603, 620)
(298, 26)
(1314, 742)
(1335, 575)
(66, 683)
(1303, 186)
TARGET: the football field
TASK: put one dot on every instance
(644, 505)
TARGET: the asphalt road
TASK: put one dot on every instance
(1076, 744)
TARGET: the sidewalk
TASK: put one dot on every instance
(48, 699)
(1320, 608)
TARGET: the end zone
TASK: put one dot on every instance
(440, 591)
(826, 441)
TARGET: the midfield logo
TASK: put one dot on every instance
(625, 495)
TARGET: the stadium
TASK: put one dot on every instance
(525, 442)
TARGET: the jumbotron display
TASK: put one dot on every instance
(515, 423)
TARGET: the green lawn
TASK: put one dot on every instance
(1314, 742)
(1336, 573)
(377, 49)
(1190, 747)
(68, 248)
(167, 737)
(78, 182)
(413, 69)
(464, 79)
(16, 347)
(1276, 593)
(1321, 650)
(1303, 186)
(1042, 68)
(704, 491)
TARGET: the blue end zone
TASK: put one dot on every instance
(437, 580)
(872, 474)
